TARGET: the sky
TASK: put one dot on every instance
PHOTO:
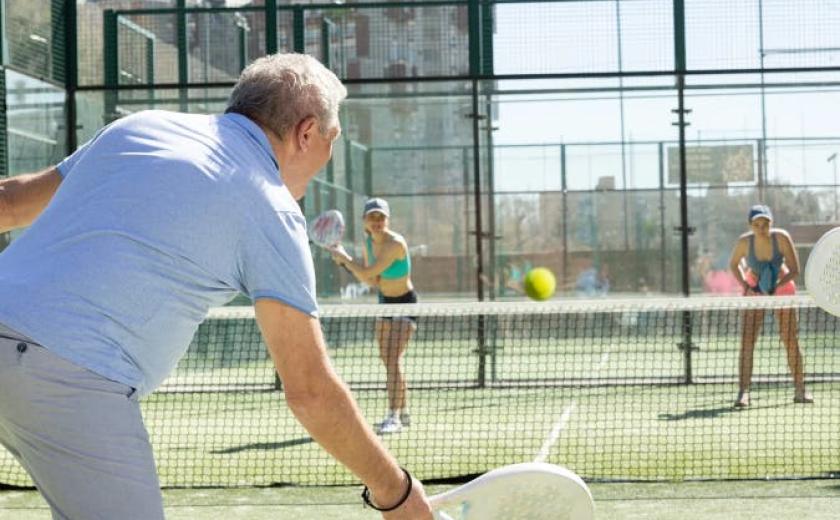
(566, 37)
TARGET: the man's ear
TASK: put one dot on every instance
(305, 132)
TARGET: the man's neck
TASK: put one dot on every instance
(295, 185)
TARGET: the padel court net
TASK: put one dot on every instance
(638, 389)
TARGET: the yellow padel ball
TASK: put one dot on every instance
(540, 283)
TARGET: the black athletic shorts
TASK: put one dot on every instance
(409, 297)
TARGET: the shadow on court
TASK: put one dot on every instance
(712, 413)
(264, 446)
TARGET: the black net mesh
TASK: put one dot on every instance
(624, 389)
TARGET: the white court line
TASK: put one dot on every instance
(7, 496)
(555, 433)
(557, 429)
(604, 357)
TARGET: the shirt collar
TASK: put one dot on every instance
(254, 131)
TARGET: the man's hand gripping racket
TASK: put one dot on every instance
(529, 491)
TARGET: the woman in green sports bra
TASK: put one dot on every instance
(387, 266)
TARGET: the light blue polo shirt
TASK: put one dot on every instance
(159, 217)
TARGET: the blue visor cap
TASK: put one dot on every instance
(760, 211)
(377, 204)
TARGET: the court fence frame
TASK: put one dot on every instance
(323, 28)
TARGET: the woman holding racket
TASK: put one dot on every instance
(765, 262)
(387, 265)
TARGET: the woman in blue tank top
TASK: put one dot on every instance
(765, 262)
(387, 266)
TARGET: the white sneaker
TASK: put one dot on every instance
(391, 424)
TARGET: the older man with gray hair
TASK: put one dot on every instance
(132, 238)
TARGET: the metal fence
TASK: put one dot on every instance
(432, 81)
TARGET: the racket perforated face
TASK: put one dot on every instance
(822, 273)
(533, 491)
(327, 229)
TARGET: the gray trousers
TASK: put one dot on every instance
(79, 435)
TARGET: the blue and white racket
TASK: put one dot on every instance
(529, 491)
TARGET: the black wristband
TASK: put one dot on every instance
(367, 500)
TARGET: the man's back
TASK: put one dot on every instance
(161, 216)
(158, 218)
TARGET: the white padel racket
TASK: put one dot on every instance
(529, 491)
(822, 272)
(327, 230)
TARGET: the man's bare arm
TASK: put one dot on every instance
(323, 405)
(24, 197)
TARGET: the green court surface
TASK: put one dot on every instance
(613, 406)
(634, 433)
(742, 500)
(646, 432)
